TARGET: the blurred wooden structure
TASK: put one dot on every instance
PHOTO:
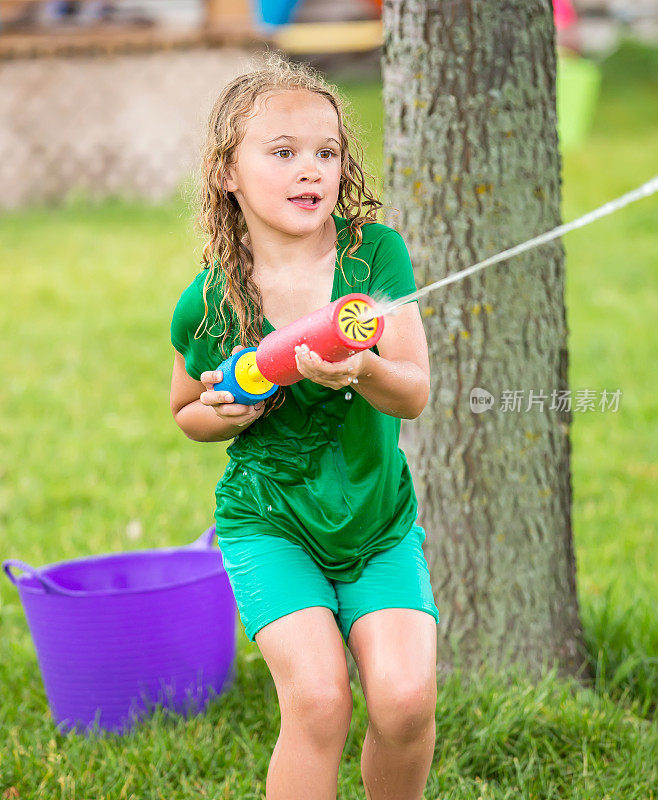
(331, 28)
(225, 22)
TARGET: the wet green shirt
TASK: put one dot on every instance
(324, 470)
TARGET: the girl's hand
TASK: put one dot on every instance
(335, 375)
(222, 401)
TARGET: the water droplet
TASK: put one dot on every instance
(355, 380)
(269, 508)
(348, 395)
(244, 471)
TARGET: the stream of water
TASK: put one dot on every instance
(647, 189)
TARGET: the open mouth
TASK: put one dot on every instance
(305, 200)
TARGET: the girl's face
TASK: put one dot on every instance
(291, 147)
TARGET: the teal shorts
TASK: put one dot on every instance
(272, 577)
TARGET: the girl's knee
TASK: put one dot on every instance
(402, 711)
(321, 708)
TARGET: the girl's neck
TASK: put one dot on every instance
(274, 255)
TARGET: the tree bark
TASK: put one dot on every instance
(472, 167)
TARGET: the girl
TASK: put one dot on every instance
(316, 509)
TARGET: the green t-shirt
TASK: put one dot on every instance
(324, 470)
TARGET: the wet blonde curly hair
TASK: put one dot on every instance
(226, 257)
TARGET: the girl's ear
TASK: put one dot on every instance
(214, 175)
(228, 181)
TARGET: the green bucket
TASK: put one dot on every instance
(577, 89)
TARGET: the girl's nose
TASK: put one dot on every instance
(309, 169)
(308, 175)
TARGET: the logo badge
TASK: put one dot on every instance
(481, 400)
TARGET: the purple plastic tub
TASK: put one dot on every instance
(115, 634)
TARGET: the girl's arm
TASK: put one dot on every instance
(396, 382)
(203, 414)
(395, 387)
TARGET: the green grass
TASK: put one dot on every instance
(91, 447)
(495, 740)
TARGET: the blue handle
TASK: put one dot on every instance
(230, 384)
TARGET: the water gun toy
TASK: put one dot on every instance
(334, 332)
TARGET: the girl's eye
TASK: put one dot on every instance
(288, 150)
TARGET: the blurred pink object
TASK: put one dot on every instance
(564, 13)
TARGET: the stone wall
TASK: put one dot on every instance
(111, 124)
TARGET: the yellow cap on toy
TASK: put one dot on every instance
(351, 325)
(248, 376)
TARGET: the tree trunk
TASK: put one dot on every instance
(472, 167)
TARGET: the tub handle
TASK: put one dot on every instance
(48, 584)
(206, 541)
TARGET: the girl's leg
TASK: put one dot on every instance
(304, 651)
(395, 651)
